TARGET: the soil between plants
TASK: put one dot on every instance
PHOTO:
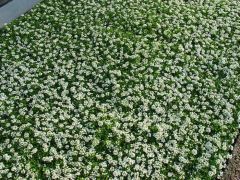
(232, 172)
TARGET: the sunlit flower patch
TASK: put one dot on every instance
(140, 89)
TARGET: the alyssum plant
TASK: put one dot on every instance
(123, 89)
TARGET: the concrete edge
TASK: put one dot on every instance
(14, 9)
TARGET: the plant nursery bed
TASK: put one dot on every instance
(140, 89)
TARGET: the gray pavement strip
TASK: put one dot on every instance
(14, 9)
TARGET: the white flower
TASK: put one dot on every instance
(47, 159)
(6, 157)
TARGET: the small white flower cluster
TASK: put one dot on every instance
(120, 90)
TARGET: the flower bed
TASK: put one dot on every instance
(120, 89)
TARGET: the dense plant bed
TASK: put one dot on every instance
(145, 89)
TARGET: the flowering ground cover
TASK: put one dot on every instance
(140, 89)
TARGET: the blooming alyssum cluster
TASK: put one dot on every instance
(123, 89)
